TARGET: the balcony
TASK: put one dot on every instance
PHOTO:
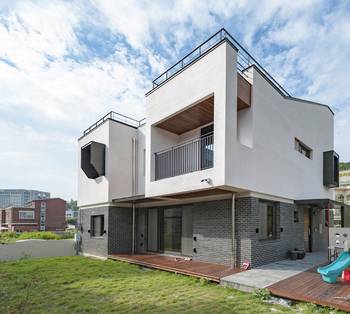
(194, 155)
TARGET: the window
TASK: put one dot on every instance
(268, 225)
(348, 198)
(97, 226)
(296, 216)
(302, 148)
(26, 214)
(340, 198)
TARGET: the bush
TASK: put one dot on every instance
(44, 235)
(262, 294)
(8, 236)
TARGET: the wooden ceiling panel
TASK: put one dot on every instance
(191, 118)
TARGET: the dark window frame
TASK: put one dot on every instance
(93, 227)
(302, 148)
(272, 221)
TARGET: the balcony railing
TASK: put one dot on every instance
(244, 60)
(194, 155)
(115, 116)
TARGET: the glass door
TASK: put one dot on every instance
(171, 230)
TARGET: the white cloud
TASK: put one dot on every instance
(53, 84)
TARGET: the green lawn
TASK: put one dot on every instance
(81, 285)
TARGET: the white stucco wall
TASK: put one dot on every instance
(254, 154)
(205, 77)
(93, 191)
(117, 182)
(271, 164)
(258, 153)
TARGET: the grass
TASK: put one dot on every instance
(83, 285)
(7, 237)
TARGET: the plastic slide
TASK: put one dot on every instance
(332, 271)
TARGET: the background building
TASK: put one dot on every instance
(343, 191)
(20, 197)
(38, 215)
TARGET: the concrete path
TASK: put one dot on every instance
(264, 276)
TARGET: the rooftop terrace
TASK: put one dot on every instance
(244, 60)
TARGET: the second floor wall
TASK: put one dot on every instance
(212, 126)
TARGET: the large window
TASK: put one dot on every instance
(268, 220)
(26, 214)
(303, 149)
(97, 226)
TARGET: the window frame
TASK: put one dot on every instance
(93, 227)
(272, 222)
(26, 211)
(302, 148)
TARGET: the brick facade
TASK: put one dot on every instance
(120, 230)
(55, 219)
(118, 227)
(212, 232)
(94, 245)
(212, 229)
(259, 252)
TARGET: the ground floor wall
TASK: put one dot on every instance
(210, 239)
(252, 249)
(97, 246)
(117, 233)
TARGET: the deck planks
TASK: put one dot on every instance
(198, 269)
(308, 286)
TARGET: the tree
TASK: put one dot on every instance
(73, 205)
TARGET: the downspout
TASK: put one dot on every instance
(134, 189)
(133, 228)
(234, 253)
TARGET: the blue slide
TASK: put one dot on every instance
(332, 271)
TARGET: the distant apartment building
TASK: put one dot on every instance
(20, 197)
(38, 215)
(71, 214)
(342, 195)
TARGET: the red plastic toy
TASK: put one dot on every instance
(346, 274)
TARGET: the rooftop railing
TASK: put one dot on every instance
(115, 116)
(244, 60)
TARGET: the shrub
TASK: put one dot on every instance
(8, 236)
(44, 235)
(262, 294)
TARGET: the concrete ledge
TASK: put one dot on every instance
(94, 256)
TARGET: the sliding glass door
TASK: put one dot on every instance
(171, 229)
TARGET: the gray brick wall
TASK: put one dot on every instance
(94, 246)
(259, 252)
(120, 230)
(118, 226)
(212, 227)
(141, 230)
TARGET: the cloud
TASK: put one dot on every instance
(65, 64)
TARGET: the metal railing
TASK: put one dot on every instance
(244, 60)
(116, 117)
(194, 155)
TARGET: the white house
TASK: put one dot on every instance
(227, 167)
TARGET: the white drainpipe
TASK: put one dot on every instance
(134, 188)
(234, 250)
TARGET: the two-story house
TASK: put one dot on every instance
(38, 215)
(227, 167)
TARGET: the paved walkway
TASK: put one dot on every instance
(264, 276)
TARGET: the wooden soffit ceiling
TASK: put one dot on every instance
(191, 118)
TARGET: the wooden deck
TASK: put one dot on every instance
(179, 265)
(309, 287)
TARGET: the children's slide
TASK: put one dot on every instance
(332, 271)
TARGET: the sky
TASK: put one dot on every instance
(65, 64)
